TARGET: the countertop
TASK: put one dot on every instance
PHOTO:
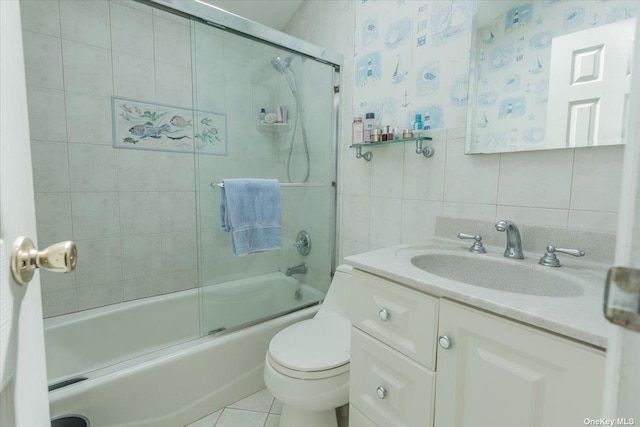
(577, 317)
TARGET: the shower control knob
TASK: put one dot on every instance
(381, 392)
(60, 258)
(444, 341)
(384, 315)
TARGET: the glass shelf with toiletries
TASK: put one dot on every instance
(426, 151)
(273, 127)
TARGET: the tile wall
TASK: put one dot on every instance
(131, 213)
(147, 222)
(395, 198)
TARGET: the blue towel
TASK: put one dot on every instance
(250, 211)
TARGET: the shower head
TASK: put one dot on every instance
(280, 65)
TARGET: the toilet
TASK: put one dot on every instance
(307, 364)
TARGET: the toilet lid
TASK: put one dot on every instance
(317, 344)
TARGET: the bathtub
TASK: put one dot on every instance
(146, 367)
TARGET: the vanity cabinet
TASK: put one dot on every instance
(490, 371)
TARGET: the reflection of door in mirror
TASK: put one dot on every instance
(512, 68)
(589, 86)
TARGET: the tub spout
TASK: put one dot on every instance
(298, 269)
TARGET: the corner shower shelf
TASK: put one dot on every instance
(427, 151)
(273, 127)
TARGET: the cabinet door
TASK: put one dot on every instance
(500, 373)
(356, 419)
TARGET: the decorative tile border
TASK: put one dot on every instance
(144, 125)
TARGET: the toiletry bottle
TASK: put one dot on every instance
(427, 121)
(284, 112)
(279, 114)
(262, 114)
(369, 125)
(357, 131)
(417, 124)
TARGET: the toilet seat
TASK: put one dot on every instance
(312, 349)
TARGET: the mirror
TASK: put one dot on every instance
(549, 74)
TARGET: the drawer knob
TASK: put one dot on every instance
(384, 315)
(381, 392)
(444, 341)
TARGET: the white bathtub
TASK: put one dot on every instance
(145, 362)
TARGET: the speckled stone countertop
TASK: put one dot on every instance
(578, 317)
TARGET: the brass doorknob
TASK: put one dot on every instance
(60, 258)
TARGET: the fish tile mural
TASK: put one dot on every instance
(150, 126)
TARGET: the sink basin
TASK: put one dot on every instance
(498, 274)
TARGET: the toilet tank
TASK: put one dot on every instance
(336, 301)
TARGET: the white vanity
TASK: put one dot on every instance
(429, 350)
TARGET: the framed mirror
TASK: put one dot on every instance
(548, 74)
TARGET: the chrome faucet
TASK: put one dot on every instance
(514, 242)
(298, 269)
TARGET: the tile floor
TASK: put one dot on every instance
(258, 410)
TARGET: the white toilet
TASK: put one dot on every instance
(307, 366)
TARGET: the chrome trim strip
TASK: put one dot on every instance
(221, 18)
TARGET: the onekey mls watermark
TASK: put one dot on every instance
(609, 421)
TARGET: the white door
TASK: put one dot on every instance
(622, 387)
(23, 383)
(589, 85)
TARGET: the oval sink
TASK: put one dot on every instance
(507, 276)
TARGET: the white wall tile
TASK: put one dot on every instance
(43, 60)
(92, 168)
(59, 302)
(172, 42)
(46, 114)
(52, 282)
(387, 171)
(593, 220)
(355, 218)
(40, 16)
(86, 22)
(170, 16)
(139, 213)
(469, 211)
(141, 256)
(385, 221)
(133, 77)
(87, 69)
(88, 118)
(419, 220)
(50, 166)
(597, 176)
(99, 295)
(470, 178)
(424, 177)
(131, 31)
(536, 178)
(177, 172)
(177, 211)
(53, 217)
(533, 216)
(179, 251)
(356, 177)
(134, 4)
(180, 280)
(95, 215)
(99, 261)
(350, 247)
(173, 85)
(142, 287)
(137, 170)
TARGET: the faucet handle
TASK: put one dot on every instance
(549, 259)
(477, 247)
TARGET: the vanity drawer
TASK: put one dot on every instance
(405, 319)
(406, 388)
